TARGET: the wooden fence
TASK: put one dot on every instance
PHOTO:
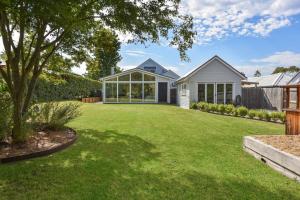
(263, 98)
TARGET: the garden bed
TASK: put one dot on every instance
(91, 99)
(41, 143)
(279, 152)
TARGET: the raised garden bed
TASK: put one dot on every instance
(91, 99)
(41, 143)
(279, 152)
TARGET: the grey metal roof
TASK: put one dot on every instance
(279, 79)
(295, 80)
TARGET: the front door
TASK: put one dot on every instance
(162, 92)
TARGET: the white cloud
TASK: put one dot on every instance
(284, 58)
(80, 70)
(267, 64)
(139, 53)
(216, 19)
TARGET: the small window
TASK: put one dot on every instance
(183, 89)
(150, 69)
(136, 76)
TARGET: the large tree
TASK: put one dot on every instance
(257, 73)
(33, 30)
(104, 54)
(286, 69)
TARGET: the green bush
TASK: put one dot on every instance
(276, 116)
(260, 114)
(251, 114)
(266, 115)
(221, 108)
(229, 109)
(54, 115)
(5, 115)
(282, 116)
(203, 106)
(54, 87)
(212, 107)
(242, 111)
(3, 86)
(194, 105)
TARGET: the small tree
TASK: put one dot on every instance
(286, 69)
(32, 31)
(257, 73)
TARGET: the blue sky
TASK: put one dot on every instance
(248, 34)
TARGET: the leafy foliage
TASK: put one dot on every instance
(257, 73)
(54, 115)
(65, 86)
(5, 114)
(242, 111)
(286, 69)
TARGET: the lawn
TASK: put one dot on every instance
(151, 152)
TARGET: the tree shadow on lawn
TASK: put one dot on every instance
(110, 165)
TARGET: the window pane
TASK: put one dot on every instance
(136, 76)
(293, 98)
(149, 92)
(210, 93)
(123, 92)
(229, 93)
(220, 93)
(136, 92)
(201, 92)
(149, 78)
(112, 79)
(111, 92)
(124, 77)
(150, 69)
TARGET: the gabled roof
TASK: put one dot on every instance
(295, 80)
(216, 57)
(135, 70)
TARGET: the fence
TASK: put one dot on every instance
(263, 98)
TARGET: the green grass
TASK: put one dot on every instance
(151, 152)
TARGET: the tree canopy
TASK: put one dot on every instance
(33, 31)
(257, 73)
(286, 69)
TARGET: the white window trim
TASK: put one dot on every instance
(183, 89)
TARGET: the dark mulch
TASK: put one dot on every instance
(39, 141)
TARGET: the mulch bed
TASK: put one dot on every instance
(286, 143)
(40, 143)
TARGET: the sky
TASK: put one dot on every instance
(248, 34)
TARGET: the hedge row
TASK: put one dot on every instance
(241, 111)
(65, 86)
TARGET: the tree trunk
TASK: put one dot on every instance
(18, 132)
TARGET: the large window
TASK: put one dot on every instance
(220, 93)
(111, 92)
(201, 92)
(149, 92)
(136, 92)
(210, 93)
(229, 93)
(216, 92)
(124, 92)
(135, 88)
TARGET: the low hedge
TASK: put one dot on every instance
(240, 111)
(65, 86)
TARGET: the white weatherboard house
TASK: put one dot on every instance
(215, 82)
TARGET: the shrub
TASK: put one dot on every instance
(251, 114)
(242, 111)
(235, 112)
(282, 116)
(221, 108)
(54, 115)
(194, 105)
(203, 106)
(266, 115)
(212, 107)
(229, 109)
(64, 86)
(5, 115)
(259, 114)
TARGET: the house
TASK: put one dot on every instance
(265, 92)
(215, 81)
(147, 83)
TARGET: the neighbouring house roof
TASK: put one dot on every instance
(273, 80)
(295, 80)
(216, 57)
(160, 70)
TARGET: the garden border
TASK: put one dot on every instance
(40, 153)
(216, 113)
